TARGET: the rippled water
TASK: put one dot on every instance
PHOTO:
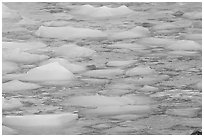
(171, 92)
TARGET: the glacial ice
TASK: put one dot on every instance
(10, 104)
(9, 67)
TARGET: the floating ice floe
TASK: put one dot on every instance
(121, 63)
(156, 42)
(140, 70)
(16, 85)
(184, 53)
(18, 56)
(101, 12)
(185, 45)
(74, 68)
(8, 131)
(56, 23)
(193, 15)
(118, 110)
(10, 104)
(199, 85)
(136, 32)
(49, 72)
(9, 14)
(9, 67)
(98, 101)
(174, 25)
(129, 46)
(146, 79)
(28, 21)
(23, 46)
(69, 33)
(40, 124)
(104, 73)
(73, 51)
(148, 88)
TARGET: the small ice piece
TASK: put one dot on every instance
(69, 33)
(130, 46)
(10, 104)
(185, 45)
(74, 68)
(73, 51)
(8, 13)
(103, 73)
(118, 63)
(136, 32)
(98, 101)
(23, 46)
(9, 67)
(140, 70)
(40, 124)
(18, 56)
(16, 85)
(49, 72)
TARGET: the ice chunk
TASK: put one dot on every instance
(49, 72)
(57, 23)
(97, 101)
(15, 55)
(28, 21)
(40, 124)
(69, 33)
(9, 104)
(148, 88)
(140, 70)
(8, 131)
(9, 67)
(185, 45)
(73, 51)
(135, 47)
(103, 73)
(121, 63)
(16, 85)
(74, 68)
(153, 41)
(136, 32)
(118, 110)
(8, 13)
(23, 46)
(193, 15)
(102, 12)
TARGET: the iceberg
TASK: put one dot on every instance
(70, 33)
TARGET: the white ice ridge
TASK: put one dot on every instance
(101, 12)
